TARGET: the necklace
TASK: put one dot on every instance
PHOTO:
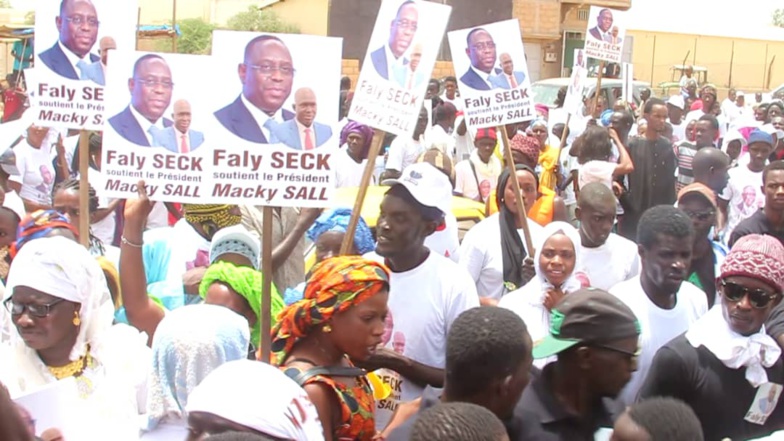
(73, 369)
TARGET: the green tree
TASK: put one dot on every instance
(260, 20)
(778, 18)
(5, 4)
(195, 38)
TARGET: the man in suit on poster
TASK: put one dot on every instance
(77, 25)
(151, 90)
(179, 138)
(266, 73)
(303, 132)
(604, 21)
(390, 57)
(508, 78)
(481, 51)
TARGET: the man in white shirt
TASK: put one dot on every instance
(151, 91)
(450, 92)
(687, 73)
(405, 151)
(477, 176)
(440, 135)
(729, 102)
(675, 105)
(179, 138)
(662, 302)
(607, 258)
(427, 291)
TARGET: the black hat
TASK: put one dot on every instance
(591, 316)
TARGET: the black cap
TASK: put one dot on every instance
(591, 316)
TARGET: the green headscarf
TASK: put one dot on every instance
(246, 282)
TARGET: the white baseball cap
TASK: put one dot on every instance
(677, 101)
(428, 185)
(236, 240)
(740, 93)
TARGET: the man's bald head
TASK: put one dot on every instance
(305, 106)
(596, 213)
(710, 166)
(506, 63)
(182, 115)
(106, 45)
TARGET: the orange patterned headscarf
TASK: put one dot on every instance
(335, 285)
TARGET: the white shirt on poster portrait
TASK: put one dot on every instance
(483, 75)
(393, 63)
(74, 60)
(146, 125)
(261, 118)
(182, 138)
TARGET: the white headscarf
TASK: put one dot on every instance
(271, 401)
(190, 343)
(64, 269)
(572, 283)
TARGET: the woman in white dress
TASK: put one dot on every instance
(556, 259)
(62, 316)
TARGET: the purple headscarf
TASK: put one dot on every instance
(365, 131)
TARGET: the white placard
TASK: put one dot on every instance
(493, 74)
(605, 34)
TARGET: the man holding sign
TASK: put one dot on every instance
(266, 73)
(78, 27)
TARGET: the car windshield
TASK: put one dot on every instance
(545, 93)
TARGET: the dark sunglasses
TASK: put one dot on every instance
(758, 298)
(39, 311)
(701, 216)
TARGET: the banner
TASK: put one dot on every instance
(491, 67)
(242, 126)
(604, 37)
(627, 73)
(573, 103)
(399, 60)
(74, 41)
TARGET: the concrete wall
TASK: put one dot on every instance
(653, 61)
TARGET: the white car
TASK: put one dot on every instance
(546, 91)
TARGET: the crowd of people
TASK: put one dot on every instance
(635, 294)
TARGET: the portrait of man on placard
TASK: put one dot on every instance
(267, 74)
(508, 78)
(603, 29)
(392, 56)
(97, 70)
(151, 89)
(77, 25)
(481, 51)
(303, 132)
(179, 137)
(411, 76)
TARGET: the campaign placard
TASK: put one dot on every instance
(627, 73)
(604, 35)
(400, 58)
(574, 93)
(495, 88)
(241, 127)
(74, 41)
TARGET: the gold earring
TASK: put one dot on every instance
(327, 329)
(76, 320)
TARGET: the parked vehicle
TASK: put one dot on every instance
(546, 91)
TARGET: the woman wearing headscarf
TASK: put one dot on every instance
(493, 251)
(238, 288)
(190, 343)
(271, 405)
(327, 235)
(341, 316)
(733, 144)
(62, 315)
(556, 263)
(349, 162)
(548, 206)
(548, 155)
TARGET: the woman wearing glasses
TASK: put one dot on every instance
(726, 366)
(62, 315)
(699, 203)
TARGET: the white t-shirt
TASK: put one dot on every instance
(13, 202)
(36, 173)
(744, 194)
(438, 138)
(528, 304)
(657, 326)
(104, 228)
(158, 217)
(465, 180)
(678, 131)
(403, 152)
(481, 254)
(423, 303)
(348, 173)
(611, 263)
(596, 171)
(464, 144)
(446, 242)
